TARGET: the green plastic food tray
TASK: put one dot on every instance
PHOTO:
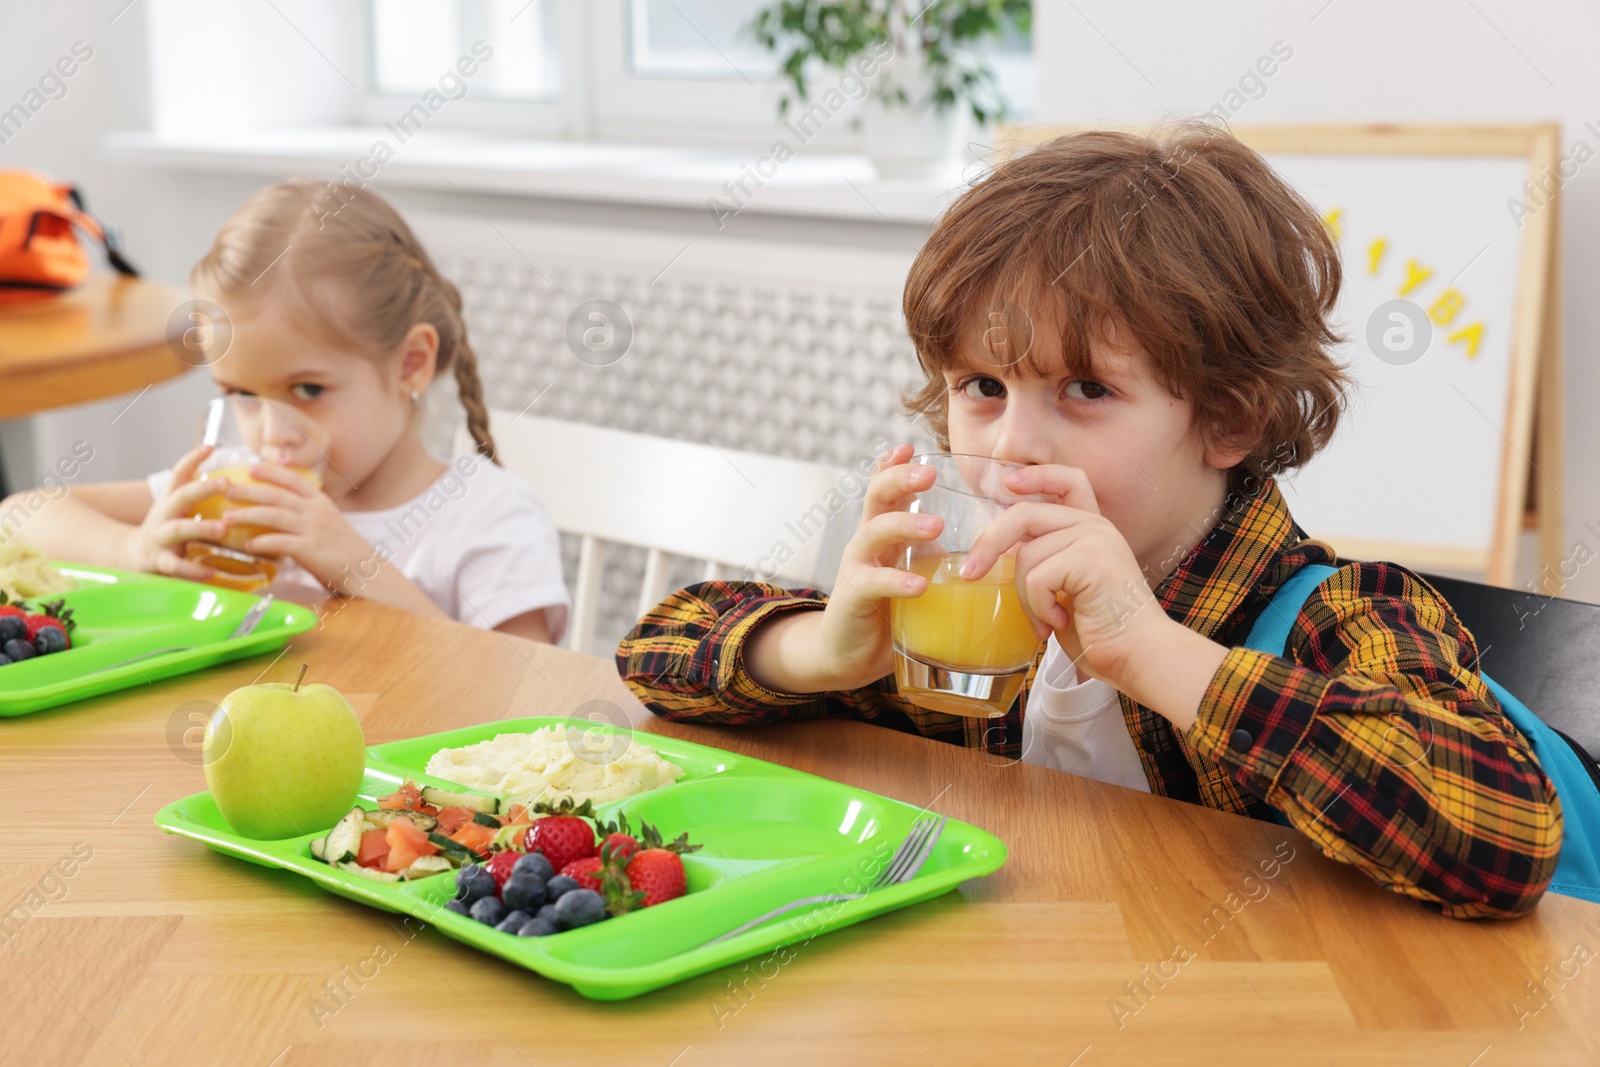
(770, 835)
(125, 614)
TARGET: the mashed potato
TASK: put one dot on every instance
(24, 571)
(555, 763)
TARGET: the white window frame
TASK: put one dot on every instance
(630, 106)
(566, 117)
(604, 99)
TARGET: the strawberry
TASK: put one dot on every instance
(500, 865)
(621, 842)
(586, 872)
(656, 870)
(10, 607)
(53, 615)
(658, 874)
(563, 834)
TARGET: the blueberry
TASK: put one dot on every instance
(537, 927)
(458, 906)
(473, 883)
(489, 911)
(49, 639)
(536, 863)
(12, 627)
(547, 913)
(580, 907)
(523, 890)
(514, 921)
(19, 649)
(4, 659)
(558, 886)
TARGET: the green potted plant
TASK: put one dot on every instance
(936, 69)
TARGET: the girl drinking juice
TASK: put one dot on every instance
(340, 320)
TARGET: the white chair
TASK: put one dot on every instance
(730, 509)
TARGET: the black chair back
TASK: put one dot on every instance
(1545, 650)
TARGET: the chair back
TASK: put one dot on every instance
(1546, 650)
(731, 510)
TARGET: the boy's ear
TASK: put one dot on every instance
(419, 356)
(1225, 449)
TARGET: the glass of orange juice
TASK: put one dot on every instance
(244, 431)
(962, 647)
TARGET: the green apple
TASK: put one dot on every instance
(283, 760)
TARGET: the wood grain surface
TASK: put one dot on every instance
(1125, 929)
(106, 337)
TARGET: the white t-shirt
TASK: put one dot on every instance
(1077, 726)
(477, 542)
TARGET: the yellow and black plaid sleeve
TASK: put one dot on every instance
(684, 660)
(1378, 740)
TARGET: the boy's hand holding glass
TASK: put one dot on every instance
(1076, 573)
(847, 645)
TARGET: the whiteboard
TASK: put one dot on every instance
(1417, 457)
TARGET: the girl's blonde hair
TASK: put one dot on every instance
(349, 260)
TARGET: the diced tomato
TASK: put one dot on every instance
(474, 836)
(406, 843)
(517, 813)
(407, 798)
(453, 819)
(374, 847)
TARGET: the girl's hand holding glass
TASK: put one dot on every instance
(245, 435)
(294, 518)
(159, 543)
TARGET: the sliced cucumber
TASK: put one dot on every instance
(423, 866)
(443, 798)
(368, 872)
(454, 849)
(382, 818)
(344, 840)
(483, 818)
(319, 848)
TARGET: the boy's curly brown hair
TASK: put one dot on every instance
(1224, 274)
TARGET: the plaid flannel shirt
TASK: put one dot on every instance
(1374, 736)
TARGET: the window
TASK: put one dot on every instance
(413, 41)
(696, 39)
(616, 70)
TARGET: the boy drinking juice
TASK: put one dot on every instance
(1142, 323)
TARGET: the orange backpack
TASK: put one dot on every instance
(39, 251)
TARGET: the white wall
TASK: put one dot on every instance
(1439, 61)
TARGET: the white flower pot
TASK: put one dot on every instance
(908, 140)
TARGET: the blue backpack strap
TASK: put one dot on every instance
(1577, 872)
(1271, 630)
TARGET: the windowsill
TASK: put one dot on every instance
(815, 186)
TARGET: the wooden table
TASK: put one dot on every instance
(159, 951)
(108, 336)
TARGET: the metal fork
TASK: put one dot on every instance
(903, 866)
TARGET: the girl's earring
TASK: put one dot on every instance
(416, 399)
